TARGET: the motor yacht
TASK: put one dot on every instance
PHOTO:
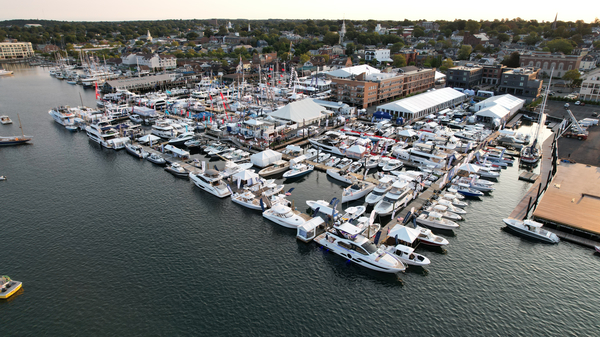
(247, 199)
(237, 156)
(372, 162)
(136, 151)
(63, 115)
(103, 134)
(298, 170)
(392, 165)
(427, 237)
(532, 229)
(350, 214)
(357, 190)
(177, 170)
(435, 220)
(363, 223)
(323, 157)
(453, 199)
(355, 167)
(332, 161)
(232, 168)
(341, 175)
(399, 195)
(163, 129)
(444, 211)
(219, 150)
(407, 255)
(385, 184)
(345, 240)
(212, 182)
(311, 154)
(465, 190)
(323, 206)
(180, 139)
(276, 168)
(285, 216)
(383, 161)
(343, 163)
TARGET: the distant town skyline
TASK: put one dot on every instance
(135, 10)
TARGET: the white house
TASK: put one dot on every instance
(153, 61)
(381, 55)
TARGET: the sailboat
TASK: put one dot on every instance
(15, 140)
(530, 155)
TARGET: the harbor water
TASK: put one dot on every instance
(106, 244)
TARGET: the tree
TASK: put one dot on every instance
(304, 58)
(418, 32)
(479, 48)
(571, 76)
(399, 61)
(208, 32)
(532, 39)
(502, 37)
(331, 38)
(513, 60)
(464, 52)
(192, 35)
(139, 43)
(562, 45)
(421, 45)
(222, 31)
(446, 64)
(174, 44)
(396, 47)
(473, 26)
(350, 49)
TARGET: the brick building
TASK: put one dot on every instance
(546, 60)
(492, 74)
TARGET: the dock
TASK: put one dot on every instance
(529, 177)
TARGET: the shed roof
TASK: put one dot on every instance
(423, 101)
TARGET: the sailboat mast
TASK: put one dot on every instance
(20, 126)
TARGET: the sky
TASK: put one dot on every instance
(126, 10)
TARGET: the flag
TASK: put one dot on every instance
(97, 93)
(393, 213)
(203, 166)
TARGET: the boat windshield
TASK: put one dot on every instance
(369, 247)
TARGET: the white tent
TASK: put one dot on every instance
(303, 111)
(404, 233)
(356, 151)
(469, 168)
(493, 111)
(407, 133)
(297, 160)
(147, 138)
(424, 104)
(245, 175)
(265, 158)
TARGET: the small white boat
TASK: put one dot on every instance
(343, 163)
(212, 182)
(532, 229)
(466, 190)
(311, 154)
(450, 206)
(408, 255)
(2, 178)
(157, 159)
(277, 167)
(351, 213)
(435, 220)
(357, 190)
(597, 248)
(443, 210)
(298, 170)
(323, 206)
(5, 120)
(181, 138)
(136, 151)
(355, 167)
(136, 119)
(383, 161)
(427, 237)
(323, 157)
(373, 162)
(392, 165)
(332, 161)
(178, 171)
(453, 200)
(247, 199)
(341, 175)
(8, 287)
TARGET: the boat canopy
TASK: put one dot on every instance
(405, 249)
(532, 223)
(297, 160)
(177, 151)
(349, 228)
(404, 233)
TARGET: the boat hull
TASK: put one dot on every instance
(14, 287)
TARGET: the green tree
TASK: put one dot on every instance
(446, 64)
(350, 47)
(396, 47)
(222, 31)
(532, 38)
(418, 32)
(139, 43)
(331, 38)
(571, 76)
(399, 61)
(512, 60)
(208, 32)
(473, 26)
(421, 45)
(174, 44)
(502, 37)
(562, 45)
(304, 58)
(465, 52)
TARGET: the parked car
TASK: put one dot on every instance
(579, 103)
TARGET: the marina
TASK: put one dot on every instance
(167, 219)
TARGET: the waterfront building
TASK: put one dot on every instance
(15, 50)
(152, 61)
(492, 74)
(419, 106)
(590, 87)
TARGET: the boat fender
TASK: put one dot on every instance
(350, 256)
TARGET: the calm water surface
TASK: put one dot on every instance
(109, 245)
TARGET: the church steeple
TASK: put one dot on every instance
(343, 31)
(148, 36)
(554, 23)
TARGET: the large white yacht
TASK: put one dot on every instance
(331, 141)
(212, 182)
(399, 194)
(285, 216)
(164, 130)
(385, 184)
(420, 156)
(345, 240)
(63, 115)
(103, 134)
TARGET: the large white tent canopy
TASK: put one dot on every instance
(353, 71)
(265, 158)
(303, 111)
(424, 104)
